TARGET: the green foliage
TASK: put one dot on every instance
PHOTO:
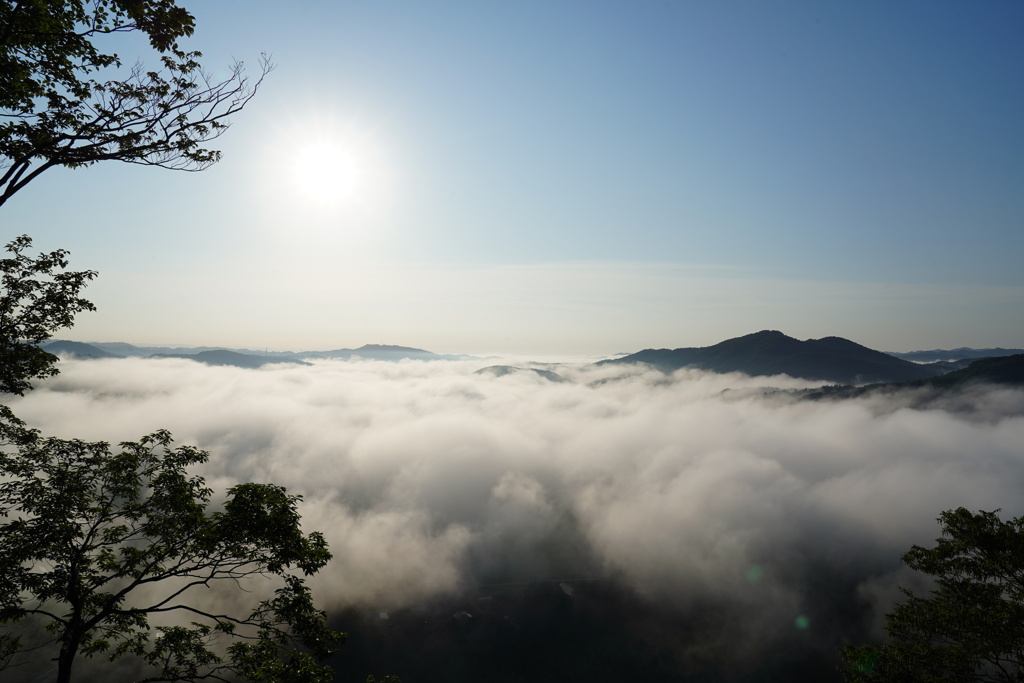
(38, 296)
(971, 627)
(55, 111)
(113, 550)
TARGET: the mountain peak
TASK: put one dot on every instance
(770, 352)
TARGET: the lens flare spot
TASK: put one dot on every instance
(802, 622)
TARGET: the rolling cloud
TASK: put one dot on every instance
(687, 491)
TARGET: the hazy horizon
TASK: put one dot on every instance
(541, 356)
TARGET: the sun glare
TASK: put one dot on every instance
(328, 165)
(326, 172)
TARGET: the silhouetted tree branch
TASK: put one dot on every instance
(38, 296)
(54, 112)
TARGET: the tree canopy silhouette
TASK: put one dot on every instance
(118, 554)
(56, 110)
(38, 296)
(971, 627)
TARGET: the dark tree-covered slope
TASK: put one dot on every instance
(961, 353)
(1004, 371)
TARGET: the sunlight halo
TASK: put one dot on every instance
(325, 171)
(330, 165)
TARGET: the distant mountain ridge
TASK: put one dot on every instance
(233, 358)
(244, 358)
(770, 352)
(380, 352)
(961, 353)
(77, 350)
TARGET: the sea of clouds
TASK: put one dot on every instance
(429, 479)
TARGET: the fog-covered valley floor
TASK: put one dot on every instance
(683, 527)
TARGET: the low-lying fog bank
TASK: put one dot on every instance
(622, 520)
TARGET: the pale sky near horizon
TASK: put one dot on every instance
(574, 177)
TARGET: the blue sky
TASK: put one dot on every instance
(576, 177)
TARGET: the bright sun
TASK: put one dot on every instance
(326, 172)
(325, 166)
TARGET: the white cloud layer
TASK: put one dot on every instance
(427, 478)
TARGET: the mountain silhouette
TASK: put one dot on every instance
(380, 352)
(770, 352)
(75, 349)
(225, 357)
(385, 352)
(132, 351)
